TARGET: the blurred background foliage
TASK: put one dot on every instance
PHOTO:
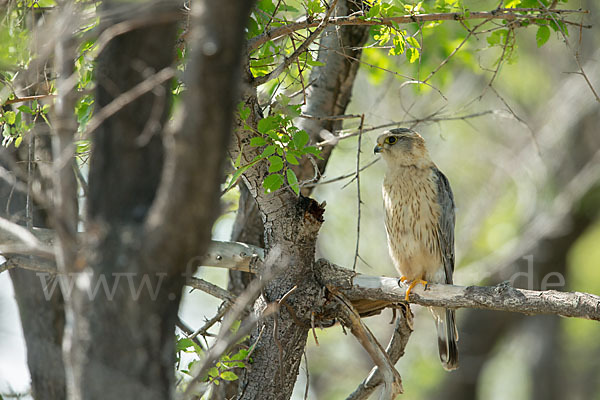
(518, 139)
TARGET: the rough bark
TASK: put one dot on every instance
(149, 217)
(42, 318)
(290, 228)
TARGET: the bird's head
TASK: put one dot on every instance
(402, 146)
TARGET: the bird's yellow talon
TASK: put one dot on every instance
(412, 285)
(403, 279)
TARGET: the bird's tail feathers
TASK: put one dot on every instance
(447, 337)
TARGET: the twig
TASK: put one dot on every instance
(359, 201)
(331, 117)
(342, 177)
(28, 98)
(406, 122)
(209, 288)
(575, 55)
(223, 308)
(307, 376)
(188, 332)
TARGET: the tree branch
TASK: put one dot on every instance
(391, 378)
(502, 14)
(394, 350)
(501, 297)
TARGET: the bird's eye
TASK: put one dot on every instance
(391, 140)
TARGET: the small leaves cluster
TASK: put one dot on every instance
(223, 369)
(282, 144)
(401, 41)
(13, 123)
(503, 37)
(269, 14)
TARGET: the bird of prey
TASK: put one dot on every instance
(419, 220)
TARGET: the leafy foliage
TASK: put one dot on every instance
(224, 370)
(282, 144)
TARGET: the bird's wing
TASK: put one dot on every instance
(446, 222)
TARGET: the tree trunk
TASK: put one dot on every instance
(42, 318)
(291, 225)
(151, 206)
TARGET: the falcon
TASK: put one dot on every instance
(419, 220)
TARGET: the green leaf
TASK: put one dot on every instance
(213, 372)
(494, 38)
(293, 181)
(267, 124)
(269, 150)
(314, 6)
(184, 344)
(257, 141)
(300, 139)
(26, 109)
(314, 151)
(276, 164)
(229, 376)
(314, 63)
(240, 355)
(10, 117)
(412, 55)
(373, 11)
(542, 35)
(292, 159)
(238, 159)
(244, 111)
(272, 182)
(398, 46)
(413, 42)
(18, 141)
(236, 175)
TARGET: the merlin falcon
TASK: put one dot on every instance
(419, 220)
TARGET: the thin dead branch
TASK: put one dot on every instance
(391, 377)
(394, 350)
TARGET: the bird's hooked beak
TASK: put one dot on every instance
(378, 149)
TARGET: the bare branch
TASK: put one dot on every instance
(394, 350)
(501, 297)
(19, 239)
(210, 288)
(391, 377)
